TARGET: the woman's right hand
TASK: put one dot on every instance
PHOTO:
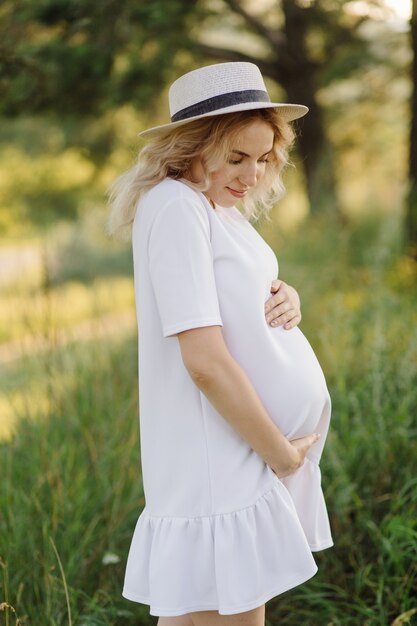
(300, 447)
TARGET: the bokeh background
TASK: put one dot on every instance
(78, 80)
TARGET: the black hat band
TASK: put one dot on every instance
(219, 102)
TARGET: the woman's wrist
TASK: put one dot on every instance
(288, 462)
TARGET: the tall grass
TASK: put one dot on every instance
(72, 480)
(70, 489)
(363, 325)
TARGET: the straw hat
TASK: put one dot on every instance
(218, 89)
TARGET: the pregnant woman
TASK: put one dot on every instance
(233, 411)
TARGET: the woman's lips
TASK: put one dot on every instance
(236, 194)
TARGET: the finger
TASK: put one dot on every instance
(283, 318)
(288, 293)
(278, 310)
(308, 440)
(279, 298)
(278, 289)
(293, 323)
(311, 440)
(276, 284)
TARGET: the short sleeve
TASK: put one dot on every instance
(181, 267)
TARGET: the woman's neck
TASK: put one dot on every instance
(211, 201)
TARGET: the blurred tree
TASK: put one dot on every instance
(81, 57)
(293, 62)
(411, 221)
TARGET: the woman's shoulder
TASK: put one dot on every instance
(168, 191)
(171, 199)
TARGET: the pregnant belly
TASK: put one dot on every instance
(287, 377)
(301, 394)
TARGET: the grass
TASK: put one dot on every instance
(74, 274)
(73, 479)
(70, 491)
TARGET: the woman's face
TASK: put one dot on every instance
(245, 166)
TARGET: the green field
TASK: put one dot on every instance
(70, 489)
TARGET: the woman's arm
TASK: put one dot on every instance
(229, 390)
(283, 307)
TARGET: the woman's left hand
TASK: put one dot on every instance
(283, 307)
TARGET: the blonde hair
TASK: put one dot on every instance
(170, 154)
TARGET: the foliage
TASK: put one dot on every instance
(73, 478)
(80, 57)
(73, 64)
(370, 352)
(411, 221)
(71, 472)
(55, 170)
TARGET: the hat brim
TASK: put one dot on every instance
(289, 112)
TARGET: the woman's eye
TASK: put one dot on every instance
(238, 161)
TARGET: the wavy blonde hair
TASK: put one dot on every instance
(212, 138)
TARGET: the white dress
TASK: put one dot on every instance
(219, 530)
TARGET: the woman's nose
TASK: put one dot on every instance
(249, 177)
